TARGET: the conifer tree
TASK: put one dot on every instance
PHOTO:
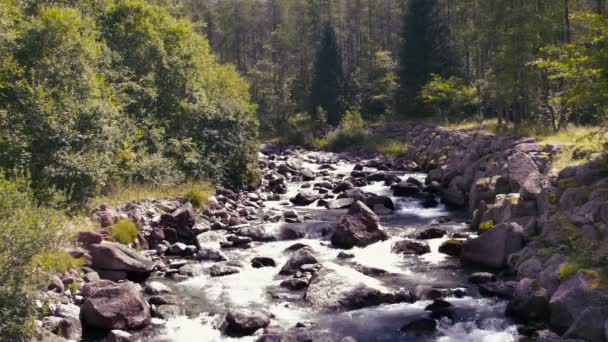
(424, 51)
(328, 81)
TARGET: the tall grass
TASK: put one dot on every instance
(121, 195)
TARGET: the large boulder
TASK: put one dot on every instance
(117, 258)
(359, 227)
(120, 306)
(493, 248)
(410, 247)
(520, 167)
(571, 298)
(338, 288)
(300, 257)
(244, 323)
(529, 302)
(182, 220)
(304, 197)
(590, 325)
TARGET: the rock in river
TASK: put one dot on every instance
(360, 227)
(338, 288)
(120, 306)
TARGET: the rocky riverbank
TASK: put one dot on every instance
(341, 248)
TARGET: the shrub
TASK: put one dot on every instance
(58, 261)
(125, 232)
(391, 147)
(28, 232)
(199, 195)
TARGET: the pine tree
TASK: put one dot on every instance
(425, 51)
(328, 81)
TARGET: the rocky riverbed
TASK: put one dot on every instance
(339, 247)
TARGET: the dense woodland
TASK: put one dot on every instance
(98, 94)
(535, 62)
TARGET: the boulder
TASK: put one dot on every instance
(182, 220)
(304, 197)
(300, 257)
(119, 306)
(340, 203)
(256, 233)
(156, 288)
(307, 174)
(529, 302)
(89, 238)
(500, 289)
(451, 247)
(493, 248)
(359, 227)
(590, 325)
(431, 233)
(89, 289)
(520, 167)
(405, 189)
(109, 256)
(294, 284)
(259, 262)
(410, 247)
(210, 254)
(482, 278)
(223, 269)
(244, 323)
(338, 288)
(210, 239)
(571, 298)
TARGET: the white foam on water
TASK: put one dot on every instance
(202, 328)
(434, 257)
(379, 255)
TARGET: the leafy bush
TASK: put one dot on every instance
(30, 236)
(199, 195)
(451, 97)
(125, 232)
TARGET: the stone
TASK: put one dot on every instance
(89, 289)
(210, 254)
(359, 227)
(112, 256)
(56, 285)
(410, 247)
(182, 220)
(431, 233)
(405, 189)
(520, 167)
(259, 262)
(451, 247)
(482, 278)
(500, 289)
(340, 203)
(297, 259)
(304, 197)
(244, 323)
(570, 299)
(210, 239)
(589, 325)
(220, 270)
(156, 288)
(294, 284)
(307, 174)
(89, 238)
(493, 248)
(119, 336)
(339, 288)
(529, 302)
(167, 311)
(120, 306)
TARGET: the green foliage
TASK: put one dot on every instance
(29, 233)
(451, 98)
(198, 196)
(98, 93)
(391, 147)
(57, 261)
(578, 70)
(124, 231)
(328, 82)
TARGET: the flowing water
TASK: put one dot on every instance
(206, 299)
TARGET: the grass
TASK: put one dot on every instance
(137, 192)
(124, 231)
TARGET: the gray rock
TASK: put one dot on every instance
(223, 269)
(244, 323)
(120, 306)
(297, 259)
(360, 227)
(156, 288)
(210, 254)
(589, 325)
(529, 302)
(338, 288)
(116, 257)
(493, 248)
(520, 167)
(410, 247)
(570, 299)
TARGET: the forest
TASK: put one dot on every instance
(97, 96)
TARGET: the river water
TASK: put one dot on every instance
(206, 299)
